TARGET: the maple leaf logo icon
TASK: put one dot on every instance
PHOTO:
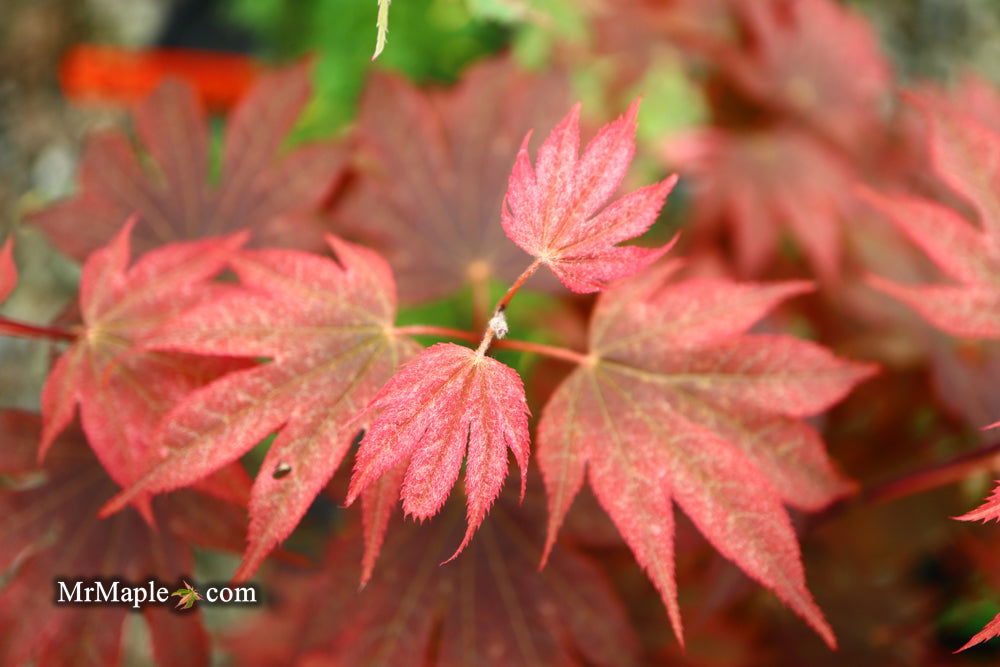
(188, 596)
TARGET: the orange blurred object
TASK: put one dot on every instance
(105, 74)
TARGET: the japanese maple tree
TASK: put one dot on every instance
(440, 384)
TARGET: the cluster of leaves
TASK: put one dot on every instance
(262, 307)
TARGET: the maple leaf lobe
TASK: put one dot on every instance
(8, 270)
(446, 404)
(553, 210)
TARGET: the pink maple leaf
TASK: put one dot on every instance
(680, 405)
(445, 402)
(553, 211)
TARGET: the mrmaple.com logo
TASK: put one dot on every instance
(117, 592)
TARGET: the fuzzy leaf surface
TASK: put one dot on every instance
(173, 195)
(490, 607)
(681, 405)
(48, 530)
(447, 404)
(553, 210)
(123, 390)
(965, 154)
(433, 171)
(326, 326)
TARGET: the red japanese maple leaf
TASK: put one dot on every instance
(814, 61)
(48, 530)
(757, 182)
(964, 154)
(123, 391)
(8, 270)
(678, 404)
(173, 196)
(433, 172)
(553, 211)
(490, 607)
(327, 327)
(446, 400)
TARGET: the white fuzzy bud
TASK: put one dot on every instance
(498, 323)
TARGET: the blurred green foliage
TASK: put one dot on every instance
(429, 40)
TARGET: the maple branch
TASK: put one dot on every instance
(934, 476)
(917, 481)
(479, 278)
(502, 303)
(442, 332)
(551, 351)
(10, 327)
(498, 325)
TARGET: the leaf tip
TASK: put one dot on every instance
(526, 141)
(43, 448)
(244, 571)
(632, 113)
(128, 226)
(880, 284)
(114, 505)
(8, 269)
(239, 238)
(865, 370)
(469, 532)
(550, 542)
